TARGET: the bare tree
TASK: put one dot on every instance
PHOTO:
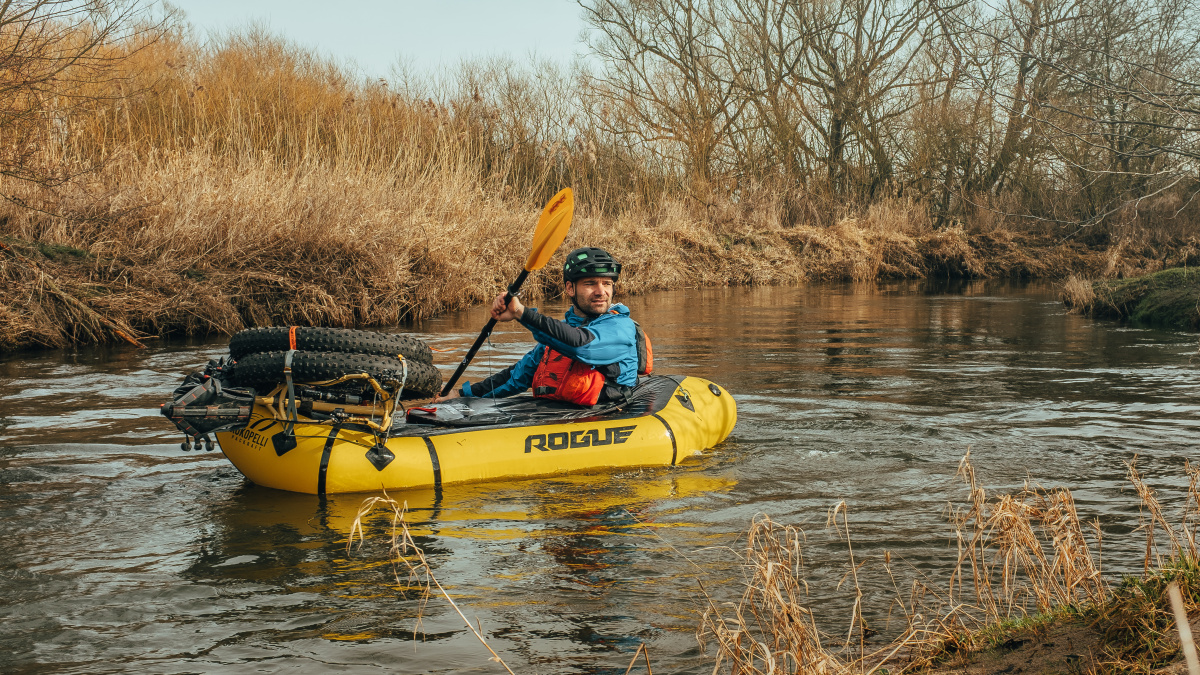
(1128, 130)
(857, 68)
(663, 80)
(1096, 100)
(53, 54)
(765, 47)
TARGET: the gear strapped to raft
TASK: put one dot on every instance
(346, 389)
(343, 386)
(204, 404)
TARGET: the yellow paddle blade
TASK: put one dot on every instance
(551, 229)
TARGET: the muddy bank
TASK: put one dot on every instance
(1132, 630)
(1169, 298)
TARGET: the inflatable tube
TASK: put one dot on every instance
(265, 370)
(344, 340)
(666, 420)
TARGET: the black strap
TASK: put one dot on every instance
(437, 468)
(289, 427)
(671, 433)
(325, 458)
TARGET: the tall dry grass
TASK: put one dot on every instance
(247, 181)
(1026, 561)
(1035, 535)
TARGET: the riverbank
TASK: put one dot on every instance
(1028, 595)
(194, 245)
(1130, 630)
(180, 187)
(1168, 298)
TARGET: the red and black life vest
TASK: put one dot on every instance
(562, 378)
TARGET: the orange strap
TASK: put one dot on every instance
(292, 337)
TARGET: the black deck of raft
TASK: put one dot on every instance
(651, 395)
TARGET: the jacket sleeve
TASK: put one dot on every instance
(560, 335)
(509, 382)
(606, 340)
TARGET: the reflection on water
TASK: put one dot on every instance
(123, 553)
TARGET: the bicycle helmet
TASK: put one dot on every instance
(590, 262)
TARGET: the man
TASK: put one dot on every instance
(590, 358)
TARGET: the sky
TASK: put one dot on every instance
(377, 33)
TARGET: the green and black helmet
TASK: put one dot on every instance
(590, 262)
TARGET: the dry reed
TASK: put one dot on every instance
(1029, 561)
(1005, 543)
(1078, 293)
(409, 559)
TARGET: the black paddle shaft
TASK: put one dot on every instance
(483, 335)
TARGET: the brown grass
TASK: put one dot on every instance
(248, 182)
(1028, 567)
(1078, 293)
(1035, 535)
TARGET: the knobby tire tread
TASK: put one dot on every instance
(343, 340)
(265, 369)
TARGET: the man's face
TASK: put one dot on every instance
(591, 295)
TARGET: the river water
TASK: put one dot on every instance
(122, 553)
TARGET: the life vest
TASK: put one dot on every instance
(645, 352)
(562, 378)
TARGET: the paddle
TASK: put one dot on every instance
(551, 230)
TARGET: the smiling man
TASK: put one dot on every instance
(590, 357)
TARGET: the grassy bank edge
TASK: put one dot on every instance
(88, 291)
(1168, 298)
(1130, 630)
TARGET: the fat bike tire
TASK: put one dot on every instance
(342, 340)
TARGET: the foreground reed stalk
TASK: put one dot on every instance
(405, 553)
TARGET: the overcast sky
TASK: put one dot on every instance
(376, 33)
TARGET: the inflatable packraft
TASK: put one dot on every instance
(321, 411)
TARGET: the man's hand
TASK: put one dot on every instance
(454, 393)
(513, 310)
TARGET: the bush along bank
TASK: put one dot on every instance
(1169, 298)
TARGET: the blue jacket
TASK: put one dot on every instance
(608, 342)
